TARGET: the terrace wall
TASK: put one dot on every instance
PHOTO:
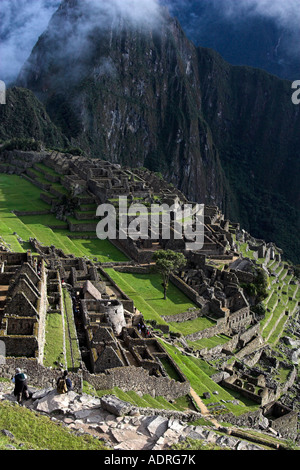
(219, 328)
(138, 380)
(38, 375)
(187, 290)
(82, 227)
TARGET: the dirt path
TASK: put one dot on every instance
(204, 410)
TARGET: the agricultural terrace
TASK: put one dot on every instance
(18, 194)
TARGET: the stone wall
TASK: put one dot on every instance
(240, 318)
(138, 380)
(254, 345)
(187, 290)
(182, 317)
(131, 250)
(244, 276)
(133, 269)
(38, 375)
(26, 346)
(46, 198)
(219, 328)
(82, 227)
(282, 419)
(249, 334)
(286, 424)
(24, 213)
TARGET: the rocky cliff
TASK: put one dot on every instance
(143, 95)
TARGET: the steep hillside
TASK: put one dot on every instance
(241, 36)
(255, 128)
(24, 116)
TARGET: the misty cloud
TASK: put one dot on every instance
(285, 12)
(22, 22)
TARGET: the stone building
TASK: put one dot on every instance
(24, 305)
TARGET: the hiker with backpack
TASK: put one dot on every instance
(21, 388)
(64, 384)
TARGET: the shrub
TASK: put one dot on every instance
(22, 144)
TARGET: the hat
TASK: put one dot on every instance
(18, 371)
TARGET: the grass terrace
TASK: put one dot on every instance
(36, 432)
(198, 374)
(145, 401)
(147, 293)
(18, 194)
(208, 343)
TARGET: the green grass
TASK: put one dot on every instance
(172, 373)
(198, 374)
(192, 326)
(147, 293)
(17, 193)
(45, 169)
(208, 343)
(72, 349)
(35, 432)
(54, 345)
(146, 401)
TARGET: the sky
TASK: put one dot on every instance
(23, 21)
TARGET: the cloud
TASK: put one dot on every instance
(285, 12)
(22, 22)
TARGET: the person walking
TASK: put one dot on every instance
(64, 384)
(21, 388)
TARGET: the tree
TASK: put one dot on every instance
(167, 262)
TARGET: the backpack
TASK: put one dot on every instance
(62, 386)
(20, 378)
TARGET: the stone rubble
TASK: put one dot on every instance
(123, 427)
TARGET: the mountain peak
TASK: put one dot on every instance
(140, 93)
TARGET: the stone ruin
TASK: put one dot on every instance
(109, 335)
(91, 182)
(23, 304)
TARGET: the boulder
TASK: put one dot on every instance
(7, 433)
(55, 402)
(41, 393)
(115, 406)
(158, 426)
(295, 356)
